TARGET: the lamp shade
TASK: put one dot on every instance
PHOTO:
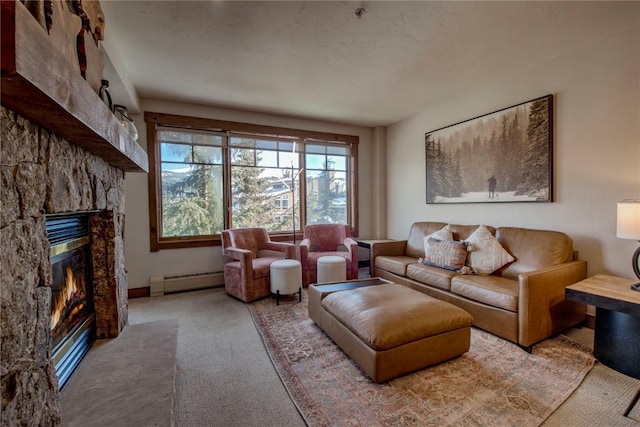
(628, 220)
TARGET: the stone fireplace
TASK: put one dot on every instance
(44, 174)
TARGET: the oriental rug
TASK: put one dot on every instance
(496, 383)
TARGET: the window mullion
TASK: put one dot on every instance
(226, 172)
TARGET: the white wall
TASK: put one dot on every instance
(596, 151)
(141, 263)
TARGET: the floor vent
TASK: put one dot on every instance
(160, 285)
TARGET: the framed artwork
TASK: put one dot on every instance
(504, 156)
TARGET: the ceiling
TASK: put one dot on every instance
(318, 60)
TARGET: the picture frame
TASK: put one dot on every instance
(503, 156)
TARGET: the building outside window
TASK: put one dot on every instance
(261, 176)
(327, 182)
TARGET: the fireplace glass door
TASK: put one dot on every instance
(72, 313)
(70, 302)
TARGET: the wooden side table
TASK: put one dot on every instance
(617, 330)
(366, 243)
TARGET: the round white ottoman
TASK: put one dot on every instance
(286, 278)
(331, 269)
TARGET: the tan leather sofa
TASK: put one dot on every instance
(522, 301)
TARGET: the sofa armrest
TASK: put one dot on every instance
(289, 249)
(395, 248)
(542, 308)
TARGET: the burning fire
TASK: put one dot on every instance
(70, 291)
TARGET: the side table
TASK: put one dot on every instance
(366, 243)
(617, 330)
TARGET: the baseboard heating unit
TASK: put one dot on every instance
(160, 285)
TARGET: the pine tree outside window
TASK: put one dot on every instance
(191, 184)
(262, 170)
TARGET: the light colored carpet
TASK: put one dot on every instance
(602, 397)
(225, 376)
(125, 381)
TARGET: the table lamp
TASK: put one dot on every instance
(629, 228)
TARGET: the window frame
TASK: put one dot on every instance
(156, 120)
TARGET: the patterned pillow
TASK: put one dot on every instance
(443, 234)
(486, 254)
(447, 254)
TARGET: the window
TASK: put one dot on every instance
(261, 183)
(191, 184)
(209, 175)
(327, 183)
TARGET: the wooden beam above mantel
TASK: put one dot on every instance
(38, 83)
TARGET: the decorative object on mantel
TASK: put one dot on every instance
(504, 156)
(628, 227)
(75, 27)
(65, 27)
(127, 122)
(104, 94)
(39, 83)
(90, 54)
(96, 18)
(37, 9)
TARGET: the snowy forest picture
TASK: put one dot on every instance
(505, 156)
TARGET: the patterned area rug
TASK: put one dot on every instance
(494, 384)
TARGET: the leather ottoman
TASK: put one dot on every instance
(390, 330)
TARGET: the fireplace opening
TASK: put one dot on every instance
(72, 324)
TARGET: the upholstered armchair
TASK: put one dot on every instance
(327, 239)
(247, 278)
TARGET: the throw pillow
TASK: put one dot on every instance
(486, 254)
(443, 234)
(447, 254)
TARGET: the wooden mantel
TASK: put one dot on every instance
(39, 84)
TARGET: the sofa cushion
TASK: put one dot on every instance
(446, 254)
(433, 276)
(491, 290)
(394, 264)
(486, 255)
(534, 249)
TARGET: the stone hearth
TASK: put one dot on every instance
(44, 174)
